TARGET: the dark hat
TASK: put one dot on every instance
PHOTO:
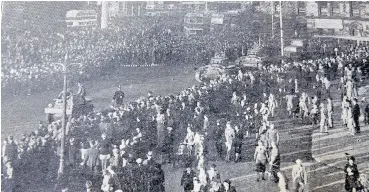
(227, 181)
(351, 158)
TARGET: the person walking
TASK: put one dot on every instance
(229, 137)
(238, 143)
(323, 119)
(344, 105)
(275, 162)
(118, 97)
(282, 183)
(272, 135)
(330, 112)
(299, 176)
(352, 174)
(350, 120)
(260, 157)
(356, 114)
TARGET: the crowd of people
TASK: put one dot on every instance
(116, 150)
(28, 58)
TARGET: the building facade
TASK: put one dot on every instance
(342, 18)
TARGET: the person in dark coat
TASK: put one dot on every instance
(139, 175)
(356, 115)
(352, 174)
(118, 97)
(219, 132)
(238, 143)
(168, 145)
(187, 179)
(157, 181)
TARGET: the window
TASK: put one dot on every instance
(301, 8)
(335, 8)
(323, 8)
(355, 6)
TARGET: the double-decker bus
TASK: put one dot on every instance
(81, 18)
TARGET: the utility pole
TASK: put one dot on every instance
(281, 26)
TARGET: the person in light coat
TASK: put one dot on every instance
(323, 119)
(229, 137)
(299, 177)
(330, 112)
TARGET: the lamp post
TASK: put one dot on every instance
(64, 67)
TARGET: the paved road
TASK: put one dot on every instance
(22, 113)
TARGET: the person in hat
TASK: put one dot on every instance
(227, 187)
(118, 97)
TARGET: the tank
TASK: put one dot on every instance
(75, 107)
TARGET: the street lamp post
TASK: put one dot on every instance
(64, 67)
